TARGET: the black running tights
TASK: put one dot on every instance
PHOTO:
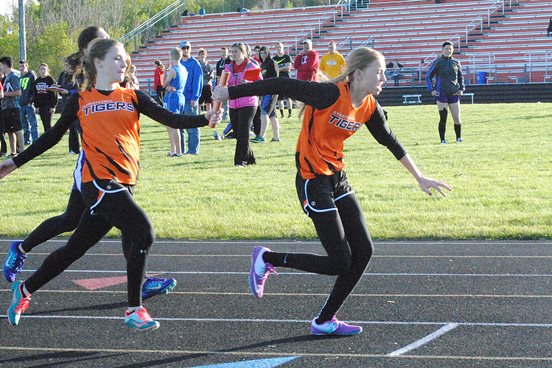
(115, 210)
(346, 239)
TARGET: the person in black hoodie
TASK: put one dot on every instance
(46, 99)
(67, 88)
(27, 114)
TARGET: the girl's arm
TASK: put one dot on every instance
(425, 183)
(317, 95)
(147, 106)
(46, 140)
(377, 125)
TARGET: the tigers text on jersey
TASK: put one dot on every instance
(320, 145)
(110, 135)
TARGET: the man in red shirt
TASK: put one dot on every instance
(306, 63)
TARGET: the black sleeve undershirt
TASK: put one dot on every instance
(320, 96)
(377, 125)
(51, 137)
(145, 105)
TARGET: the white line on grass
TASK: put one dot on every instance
(425, 340)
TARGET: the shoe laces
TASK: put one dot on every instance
(23, 305)
(150, 281)
(143, 314)
(268, 270)
(17, 261)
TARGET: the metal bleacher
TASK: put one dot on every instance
(504, 39)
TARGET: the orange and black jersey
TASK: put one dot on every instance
(110, 131)
(329, 119)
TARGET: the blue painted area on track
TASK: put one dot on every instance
(257, 363)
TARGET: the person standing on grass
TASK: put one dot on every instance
(284, 66)
(447, 89)
(109, 117)
(27, 114)
(307, 62)
(3, 145)
(241, 110)
(45, 100)
(68, 221)
(174, 82)
(333, 63)
(333, 112)
(269, 69)
(192, 92)
(10, 107)
(158, 77)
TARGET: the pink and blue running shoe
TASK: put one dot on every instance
(13, 264)
(140, 320)
(19, 303)
(259, 271)
(334, 327)
(156, 286)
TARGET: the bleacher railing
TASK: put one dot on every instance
(316, 30)
(155, 25)
(348, 44)
(538, 61)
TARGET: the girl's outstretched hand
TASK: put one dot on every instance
(6, 167)
(427, 183)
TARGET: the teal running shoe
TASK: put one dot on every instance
(19, 303)
(140, 320)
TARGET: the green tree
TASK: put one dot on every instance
(51, 47)
(9, 44)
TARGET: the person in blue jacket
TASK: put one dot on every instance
(192, 92)
(445, 82)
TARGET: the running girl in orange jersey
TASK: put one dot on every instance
(18, 252)
(334, 111)
(109, 118)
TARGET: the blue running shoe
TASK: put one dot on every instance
(155, 286)
(13, 264)
(19, 303)
(140, 320)
(259, 271)
(334, 327)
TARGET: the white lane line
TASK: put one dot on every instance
(259, 320)
(367, 274)
(355, 295)
(156, 352)
(424, 340)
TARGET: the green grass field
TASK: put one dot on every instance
(501, 177)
